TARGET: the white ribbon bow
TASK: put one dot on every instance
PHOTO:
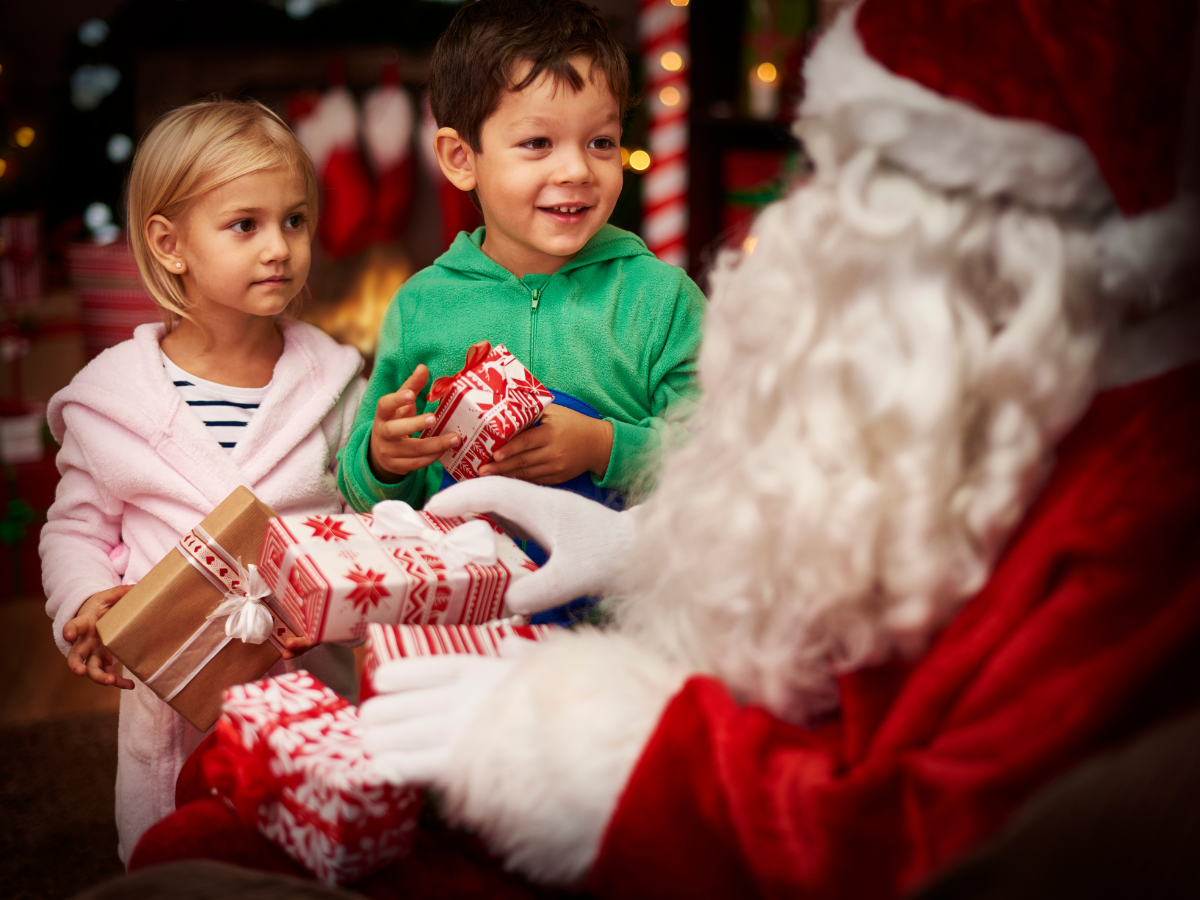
(471, 542)
(249, 619)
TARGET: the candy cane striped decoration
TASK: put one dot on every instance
(664, 30)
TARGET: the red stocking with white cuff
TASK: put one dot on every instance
(330, 134)
(387, 128)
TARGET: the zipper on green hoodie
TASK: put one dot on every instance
(536, 285)
(537, 296)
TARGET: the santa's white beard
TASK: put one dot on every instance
(884, 378)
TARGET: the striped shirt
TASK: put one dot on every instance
(225, 410)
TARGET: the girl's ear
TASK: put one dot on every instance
(456, 158)
(163, 238)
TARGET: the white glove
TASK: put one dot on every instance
(586, 541)
(424, 704)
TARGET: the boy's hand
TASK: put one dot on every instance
(88, 654)
(393, 452)
(566, 444)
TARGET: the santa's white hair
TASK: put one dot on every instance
(884, 378)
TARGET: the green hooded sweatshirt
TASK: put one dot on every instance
(615, 327)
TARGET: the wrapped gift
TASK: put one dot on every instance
(489, 402)
(388, 642)
(331, 575)
(289, 759)
(198, 622)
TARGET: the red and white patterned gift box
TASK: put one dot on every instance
(289, 759)
(388, 642)
(331, 575)
(488, 403)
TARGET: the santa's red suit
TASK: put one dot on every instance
(1088, 631)
(935, 536)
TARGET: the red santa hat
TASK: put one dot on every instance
(1057, 103)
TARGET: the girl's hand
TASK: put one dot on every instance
(393, 452)
(88, 655)
(294, 646)
(566, 444)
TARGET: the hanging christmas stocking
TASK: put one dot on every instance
(330, 134)
(387, 133)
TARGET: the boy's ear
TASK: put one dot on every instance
(456, 158)
(163, 238)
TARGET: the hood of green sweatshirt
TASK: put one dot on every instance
(466, 253)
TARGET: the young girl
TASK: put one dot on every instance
(156, 431)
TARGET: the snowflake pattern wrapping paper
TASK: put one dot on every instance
(289, 759)
(489, 402)
(333, 574)
(388, 642)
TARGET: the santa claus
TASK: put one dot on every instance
(932, 536)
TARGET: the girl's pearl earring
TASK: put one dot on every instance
(179, 265)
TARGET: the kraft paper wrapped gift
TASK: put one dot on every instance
(488, 403)
(332, 575)
(289, 760)
(388, 642)
(198, 622)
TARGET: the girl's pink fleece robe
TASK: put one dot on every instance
(139, 469)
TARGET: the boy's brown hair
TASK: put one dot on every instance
(475, 59)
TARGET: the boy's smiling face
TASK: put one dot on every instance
(548, 171)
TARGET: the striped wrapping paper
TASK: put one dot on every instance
(388, 642)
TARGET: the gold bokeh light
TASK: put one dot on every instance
(24, 136)
(670, 96)
(639, 160)
(671, 61)
(766, 73)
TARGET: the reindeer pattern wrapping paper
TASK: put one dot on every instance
(488, 403)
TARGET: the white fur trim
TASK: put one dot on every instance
(387, 126)
(947, 143)
(332, 126)
(1141, 257)
(539, 771)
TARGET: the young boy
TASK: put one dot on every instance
(529, 96)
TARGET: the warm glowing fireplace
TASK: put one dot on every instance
(350, 296)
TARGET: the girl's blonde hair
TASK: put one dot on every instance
(192, 150)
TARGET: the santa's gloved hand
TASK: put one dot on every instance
(585, 540)
(423, 705)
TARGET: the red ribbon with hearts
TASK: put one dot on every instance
(226, 574)
(213, 562)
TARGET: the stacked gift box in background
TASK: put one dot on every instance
(41, 348)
